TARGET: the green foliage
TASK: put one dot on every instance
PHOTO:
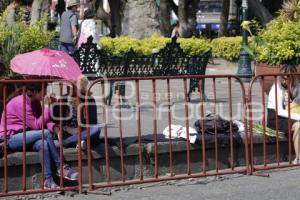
(33, 37)
(194, 46)
(117, 46)
(226, 47)
(147, 46)
(152, 44)
(4, 4)
(21, 38)
(279, 42)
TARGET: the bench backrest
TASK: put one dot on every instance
(171, 60)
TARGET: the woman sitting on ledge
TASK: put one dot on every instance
(36, 139)
(74, 112)
(282, 109)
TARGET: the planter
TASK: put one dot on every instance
(266, 69)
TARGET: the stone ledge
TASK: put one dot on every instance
(131, 159)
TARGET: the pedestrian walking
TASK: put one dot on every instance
(88, 28)
(176, 30)
(69, 27)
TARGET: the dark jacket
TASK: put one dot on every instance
(66, 110)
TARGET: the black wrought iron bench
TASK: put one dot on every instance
(170, 60)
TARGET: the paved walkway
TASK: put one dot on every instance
(283, 184)
(129, 116)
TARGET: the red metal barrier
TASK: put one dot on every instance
(197, 161)
(155, 176)
(256, 157)
(283, 156)
(6, 179)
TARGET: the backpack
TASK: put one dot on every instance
(213, 121)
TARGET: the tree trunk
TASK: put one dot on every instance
(39, 8)
(192, 10)
(174, 7)
(258, 9)
(273, 5)
(115, 12)
(182, 18)
(187, 10)
(101, 13)
(224, 18)
(60, 7)
(140, 18)
(11, 15)
(165, 17)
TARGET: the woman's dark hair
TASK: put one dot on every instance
(33, 88)
(89, 14)
(290, 69)
(286, 68)
(176, 23)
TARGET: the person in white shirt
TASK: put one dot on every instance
(282, 111)
(88, 28)
(176, 30)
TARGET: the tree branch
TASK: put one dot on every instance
(174, 7)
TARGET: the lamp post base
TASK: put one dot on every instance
(244, 69)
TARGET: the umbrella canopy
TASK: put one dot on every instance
(46, 62)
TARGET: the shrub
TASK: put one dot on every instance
(33, 37)
(21, 38)
(118, 46)
(194, 46)
(152, 44)
(278, 43)
(147, 46)
(226, 47)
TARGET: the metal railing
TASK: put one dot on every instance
(21, 89)
(282, 140)
(155, 175)
(198, 158)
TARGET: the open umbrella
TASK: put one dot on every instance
(46, 62)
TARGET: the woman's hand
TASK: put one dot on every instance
(57, 132)
(47, 101)
(287, 100)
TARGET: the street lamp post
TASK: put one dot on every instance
(244, 69)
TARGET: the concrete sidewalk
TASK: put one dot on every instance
(129, 115)
(283, 184)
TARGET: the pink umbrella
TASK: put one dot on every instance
(46, 62)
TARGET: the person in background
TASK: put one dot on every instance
(282, 109)
(37, 139)
(176, 30)
(69, 27)
(88, 28)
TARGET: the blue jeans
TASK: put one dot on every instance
(71, 141)
(34, 142)
(67, 47)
